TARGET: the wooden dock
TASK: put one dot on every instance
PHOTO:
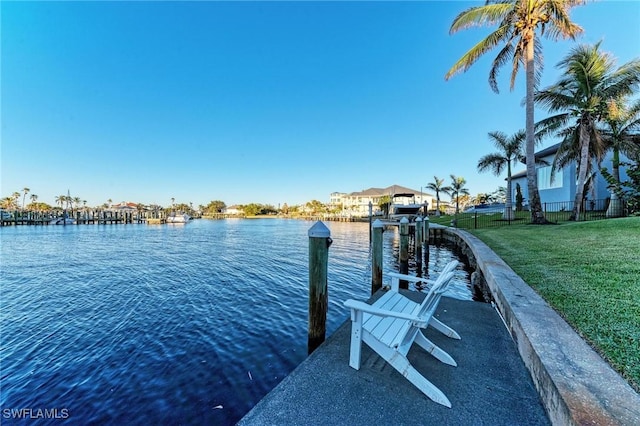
(436, 231)
(17, 218)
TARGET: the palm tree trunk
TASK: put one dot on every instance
(508, 208)
(615, 164)
(615, 204)
(585, 140)
(537, 216)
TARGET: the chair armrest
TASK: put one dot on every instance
(356, 305)
(411, 278)
(395, 277)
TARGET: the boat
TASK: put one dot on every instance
(486, 208)
(64, 220)
(404, 205)
(178, 218)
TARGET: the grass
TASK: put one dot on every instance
(589, 272)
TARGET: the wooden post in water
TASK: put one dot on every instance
(404, 250)
(319, 242)
(425, 224)
(370, 216)
(376, 256)
(417, 245)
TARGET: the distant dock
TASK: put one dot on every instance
(93, 217)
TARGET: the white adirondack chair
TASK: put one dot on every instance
(390, 327)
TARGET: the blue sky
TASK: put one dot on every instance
(266, 102)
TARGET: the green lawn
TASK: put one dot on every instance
(587, 271)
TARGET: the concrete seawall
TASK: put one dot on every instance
(576, 386)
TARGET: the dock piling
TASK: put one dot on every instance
(425, 226)
(376, 256)
(417, 245)
(404, 250)
(319, 242)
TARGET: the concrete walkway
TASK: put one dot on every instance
(490, 385)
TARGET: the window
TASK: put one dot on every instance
(545, 180)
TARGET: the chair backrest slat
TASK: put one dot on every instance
(428, 306)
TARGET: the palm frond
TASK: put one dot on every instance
(499, 138)
(517, 59)
(554, 98)
(560, 22)
(480, 16)
(494, 162)
(503, 56)
(551, 125)
(480, 48)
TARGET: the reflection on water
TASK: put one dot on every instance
(191, 324)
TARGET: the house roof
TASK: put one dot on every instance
(548, 151)
(389, 190)
(539, 155)
(125, 206)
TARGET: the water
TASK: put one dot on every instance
(171, 324)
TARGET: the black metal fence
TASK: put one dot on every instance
(555, 212)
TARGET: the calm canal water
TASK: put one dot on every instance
(167, 324)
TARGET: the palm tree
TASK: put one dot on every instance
(500, 195)
(60, 199)
(384, 203)
(509, 152)
(76, 201)
(33, 198)
(16, 197)
(581, 100)
(437, 187)
(621, 134)
(25, 191)
(7, 203)
(518, 21)
(457, 189)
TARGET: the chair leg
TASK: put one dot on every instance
(443, 328)
(404, 367)
(434, 350)
(355, 352)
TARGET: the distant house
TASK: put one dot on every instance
(561, 187)
(128, 206)
(234, 210)
(357, 203)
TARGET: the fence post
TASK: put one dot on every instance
(404, 250)
(475, 220)
(319, 242)
(376, 256)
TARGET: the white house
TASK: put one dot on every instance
(233, 210)
(357, 203)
